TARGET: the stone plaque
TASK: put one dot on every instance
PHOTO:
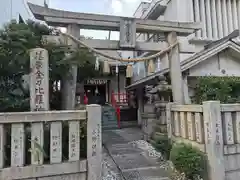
(56, 142)
(94, 142)
(17, 145)
(127, 33)
(74, 141)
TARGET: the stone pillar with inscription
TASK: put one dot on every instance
(39, 79)
(214, 139)
(39, 97)
(94, 141)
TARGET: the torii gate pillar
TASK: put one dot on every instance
(175, 70)
(70, 80)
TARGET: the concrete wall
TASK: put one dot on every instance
(179, 10)
(221, 64)
(143, 6)
(11, 9)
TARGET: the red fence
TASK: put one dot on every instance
(117, 98)
(120, 97)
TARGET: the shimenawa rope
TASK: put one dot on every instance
(116, 58)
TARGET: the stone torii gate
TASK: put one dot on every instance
(128, 28)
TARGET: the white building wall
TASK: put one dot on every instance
(219, 65)
(219, 17)
(143, 6)
(11, 9)
(179, 10)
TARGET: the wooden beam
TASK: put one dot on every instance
(112, 44)
(106, 22)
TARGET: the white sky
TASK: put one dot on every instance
(110, 7)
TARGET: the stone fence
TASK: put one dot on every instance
(214, 128)
(27, 134)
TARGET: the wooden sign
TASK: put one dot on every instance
(96, 81)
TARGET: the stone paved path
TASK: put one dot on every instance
(127, 159)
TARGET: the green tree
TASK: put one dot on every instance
(15, 41)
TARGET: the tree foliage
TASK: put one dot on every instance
(16, 39)
(224, 89)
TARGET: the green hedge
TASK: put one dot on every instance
(188, 160)
(223, 89)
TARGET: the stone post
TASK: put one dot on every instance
(94, 142)
(214, 139)
(175, 70)
(169, 119)
(39, 79)
(70, 82)
(39, 97)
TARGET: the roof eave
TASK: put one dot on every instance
(190, 62)
(157, 10)
(148, 80)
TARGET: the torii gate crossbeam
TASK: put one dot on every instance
(56, 17)
(128, 28)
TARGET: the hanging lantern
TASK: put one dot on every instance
(129, 71)
(117, 69)
(151, 67)
(97, 65)
(106, 67)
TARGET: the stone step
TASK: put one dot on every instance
(129, 124)
(109, 127)
(109, 122)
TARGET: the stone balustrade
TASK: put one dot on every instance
(212, 127)
(29, 133)
(186, 124)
